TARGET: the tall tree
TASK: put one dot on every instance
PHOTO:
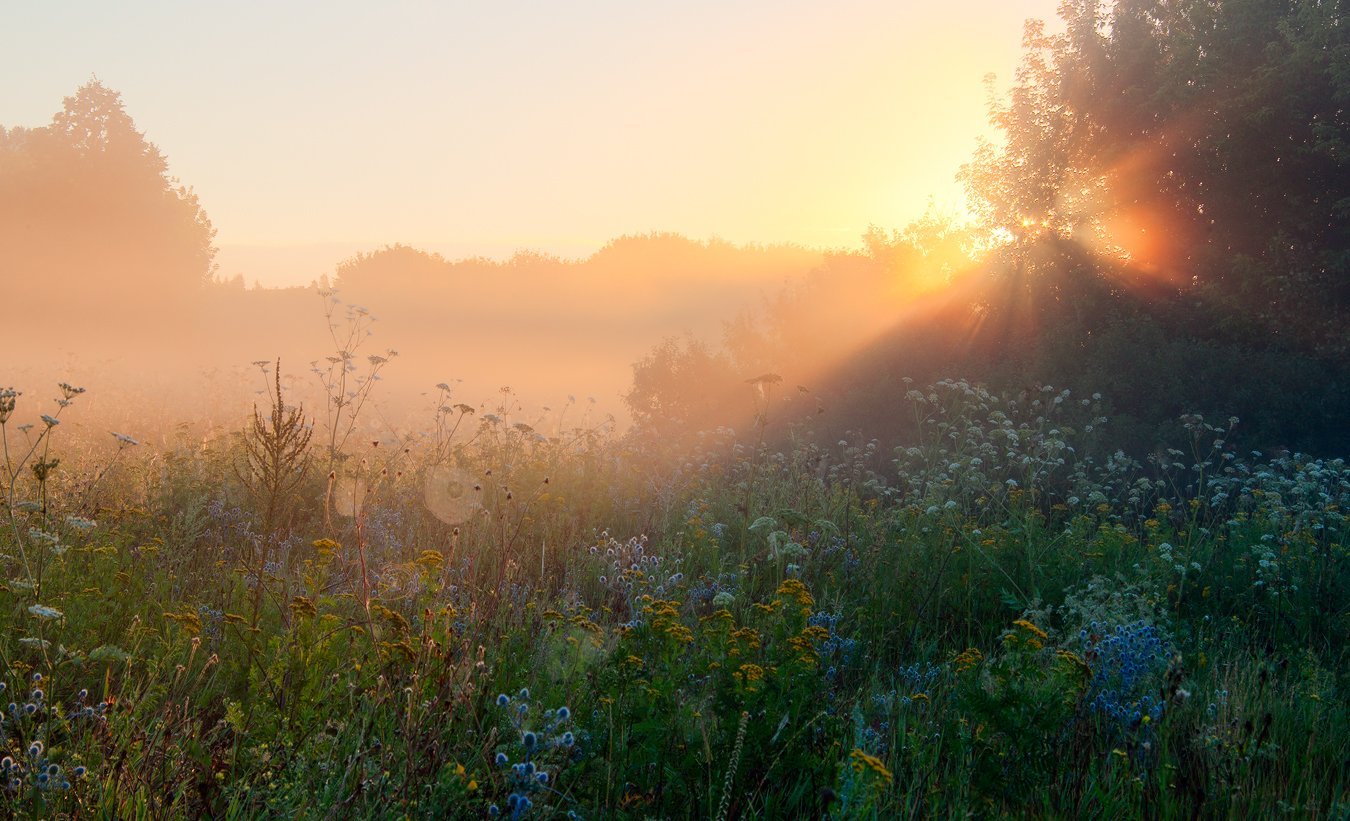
(90, 218)
(1200, 145)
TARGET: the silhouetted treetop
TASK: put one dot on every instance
(89, 215)
(1203, 143)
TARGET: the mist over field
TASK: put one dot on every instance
(707, 412)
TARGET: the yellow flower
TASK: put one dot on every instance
(970, 657)
(752, 672)
(864, 763)
(795, 590)
(1032, 629)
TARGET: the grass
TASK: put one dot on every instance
(994, 619)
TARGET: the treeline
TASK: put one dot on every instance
(1165, 221)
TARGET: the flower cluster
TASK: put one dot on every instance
(533, 760)
(31, 764)
(833, 649)
(1127, 663)
(629, 571)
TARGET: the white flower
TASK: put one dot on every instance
(51, 421)
(122, 438)
(81, 523)
(42, 611)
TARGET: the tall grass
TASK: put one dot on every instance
(519, 620)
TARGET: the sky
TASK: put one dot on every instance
(311, 131)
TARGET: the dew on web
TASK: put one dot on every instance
(451, 494)
(349, 496)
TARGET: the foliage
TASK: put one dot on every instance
(88, 202)
(992, 621)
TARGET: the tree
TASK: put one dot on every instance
(90, 218)
(1169, 204)
(1203, 144)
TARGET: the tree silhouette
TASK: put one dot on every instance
(1203, 144)
(91, 221)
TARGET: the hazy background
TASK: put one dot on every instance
(312, 131)
(690, 216)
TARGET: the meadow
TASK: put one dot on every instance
(492, 617)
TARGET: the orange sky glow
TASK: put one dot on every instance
(313, 131)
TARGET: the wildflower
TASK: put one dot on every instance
(862, 762)
(50, 421)
(529, 739)
(1031, 628)
(45, 612)
(502, 760)
(568, 739)
(80, 771)
(564, 713)
(81, 523)
(123, 439)
(35, 749)
(8, 397)
(967, 659)
(503, 700)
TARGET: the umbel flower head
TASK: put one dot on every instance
(8, 399)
